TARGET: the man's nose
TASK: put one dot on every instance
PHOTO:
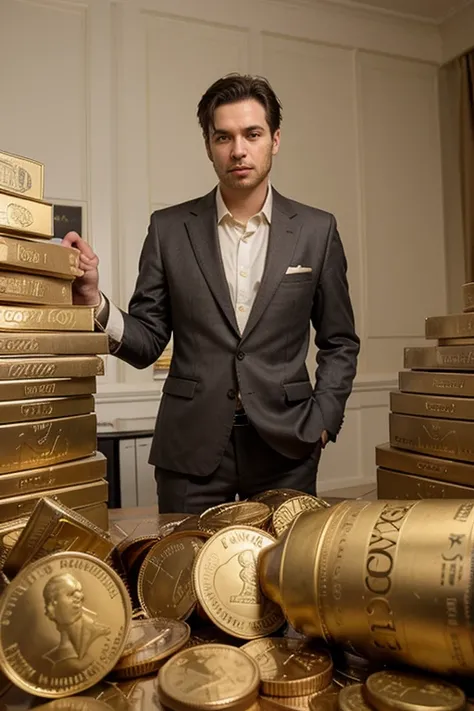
(239, 149)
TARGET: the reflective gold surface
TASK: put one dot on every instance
(453, 439)
(225, 579)
(45, 408)
(20, 175)
(45, 318)
(422, 465)
(450, 326)
(20, 215)
(399, 485)
(209, 677)
(169, 637)
(290, 509)
(468, 295)
(405, 691)
(290, 667)
(448, 407)
(393, 578)
(34, 289)
(245, 513)
(34, 444)
(53, 343)
(26, 389)
(450, 384)
(63, 624)
(439, 358)
(35, 257)
(51, 367)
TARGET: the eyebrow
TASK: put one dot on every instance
(223, 132)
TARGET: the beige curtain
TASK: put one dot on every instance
(467, 159)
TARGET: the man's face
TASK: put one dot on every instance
(68, 603)
(240, 145)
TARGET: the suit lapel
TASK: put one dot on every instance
(202, 230)
(284, 234)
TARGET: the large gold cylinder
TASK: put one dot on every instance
(390, 580)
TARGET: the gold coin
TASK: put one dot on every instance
(211, 635)
(226, 581)
(281, 703)
(142, 694)
(275, 497)
(351, 698)
(240, 513)
(290, 509)
(74, 703)
(141, 633)
(403, 691)
(328, 701)
(63, 624)
(209, 678)
(148, 659)
(165, 579)
(290, 667)
(109, 694)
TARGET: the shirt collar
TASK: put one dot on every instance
(266, 210)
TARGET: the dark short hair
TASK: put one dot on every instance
(238, 87)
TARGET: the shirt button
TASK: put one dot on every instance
(231, 394)
(243, 274)
(241, 308)
(240, 355)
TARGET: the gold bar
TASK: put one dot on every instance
(459, 384)
(468, 296)
(79, 471)
(449, 439)
(9, 534)
(34, 257)
(26, 389)
(53, 343)
(53, 526)
(39, 444)
(98, 514)
(455, 341)
(70, 496)
(421, 465)
(395, 485)
(450, 326)
(455, 408)
(439, 358)
(34, 289)
(22, 176)
(28, 410)
(30, 217)
(43, 318)
(50, 367)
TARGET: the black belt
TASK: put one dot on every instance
(240, 418)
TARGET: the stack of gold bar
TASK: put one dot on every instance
(48, 361)
(431, 449)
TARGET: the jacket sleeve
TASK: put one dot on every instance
(336, 340)
(147, 325)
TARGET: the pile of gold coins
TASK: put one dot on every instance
(48, 362)
(430, 454)
(193, 615)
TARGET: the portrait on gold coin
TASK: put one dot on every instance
(77, 625)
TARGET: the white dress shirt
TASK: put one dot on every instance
(243, 250)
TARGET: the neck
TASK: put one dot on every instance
(243, 204)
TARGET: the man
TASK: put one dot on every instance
(77, 626)
(237, 276)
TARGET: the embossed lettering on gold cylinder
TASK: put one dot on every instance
(35, 257)
(53, 343)
(51, 367)
(389, 580)
(46, 318)
(21, 176)
(439, 358)
(453, 384)
(399, 485)
(31, 217)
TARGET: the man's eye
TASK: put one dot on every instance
(254, 135)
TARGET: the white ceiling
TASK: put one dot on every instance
(431, 10)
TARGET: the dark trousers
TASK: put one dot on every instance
(248, 467)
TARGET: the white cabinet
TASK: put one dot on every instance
(137, 481)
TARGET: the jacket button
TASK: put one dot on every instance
(231, 394)
(240, 355)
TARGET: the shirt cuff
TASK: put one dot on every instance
(115, 324)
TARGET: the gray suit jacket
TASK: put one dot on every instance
(182, 289)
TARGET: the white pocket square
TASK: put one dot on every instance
(298, 270)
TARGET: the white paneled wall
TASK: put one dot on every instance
(105, 94)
